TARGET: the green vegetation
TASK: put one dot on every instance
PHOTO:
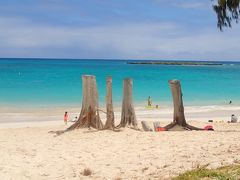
(224, 173)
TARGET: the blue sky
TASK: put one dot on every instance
(115, 29)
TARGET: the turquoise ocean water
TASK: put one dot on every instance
(34, 82)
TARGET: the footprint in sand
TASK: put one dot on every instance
(44, 174)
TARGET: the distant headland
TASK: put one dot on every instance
(178, 63)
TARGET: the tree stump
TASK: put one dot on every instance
(128, 116)
(178, 117)
(109, 106)
(89, 116)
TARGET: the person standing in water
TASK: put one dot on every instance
(149, 101)
(65, 118)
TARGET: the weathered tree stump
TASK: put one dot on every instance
(128, 117)
(89, 116)
(178, 117)
(109, 106)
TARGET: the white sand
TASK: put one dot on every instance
(28, 151)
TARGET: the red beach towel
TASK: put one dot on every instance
(158, 129)
(208, 128)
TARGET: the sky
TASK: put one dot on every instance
(115, 29)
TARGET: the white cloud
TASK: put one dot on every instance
(187, 4)
(191, 5)
(136, 40)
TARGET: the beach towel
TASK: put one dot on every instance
(209, 128)
(160, 129)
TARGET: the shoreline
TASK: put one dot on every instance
(20, 117)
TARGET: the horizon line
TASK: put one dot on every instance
(117, 59)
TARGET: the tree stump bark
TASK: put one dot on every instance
(109, 106)
(128, 116)
(178, 116)
(89, 116)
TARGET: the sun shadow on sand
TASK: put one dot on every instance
(227, 130)
(57, 133)
(60, 132)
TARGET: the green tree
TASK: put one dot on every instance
(227, 11)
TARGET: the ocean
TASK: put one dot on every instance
(57, 82)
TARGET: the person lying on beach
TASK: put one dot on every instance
(74, 119)
(234, 119)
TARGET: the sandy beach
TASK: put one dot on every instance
(119, 90)
(29, 151)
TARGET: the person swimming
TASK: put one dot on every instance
(230, 102)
